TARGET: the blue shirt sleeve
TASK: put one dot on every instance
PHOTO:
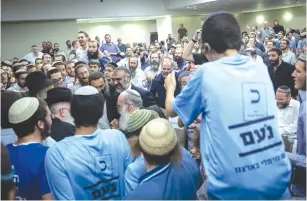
(190, 102)
(58, 181)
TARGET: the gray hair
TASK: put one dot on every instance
(133, 97)
(55, 108)
(284, 89)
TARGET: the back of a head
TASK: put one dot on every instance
(24, 115)
(87, 106)
(138, 119)
(7, 183)
(95, 76)
(160, 146)
(37, 81)
(7, 100)
(222, 32)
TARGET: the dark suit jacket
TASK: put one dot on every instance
(158, 90)
(111, 102)
(148, 99)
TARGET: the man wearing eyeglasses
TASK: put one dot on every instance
(58, 100)
(121, 79)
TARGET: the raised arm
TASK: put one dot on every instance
(187, 52)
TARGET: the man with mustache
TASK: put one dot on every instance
(157, 87)
(144, 60)
(280, 71)
(121, 78)
(70, 69)
(152, 70)
(138, 76)
(128, 102)
(288, 109)
(20, 76)
(82, 74)
(181, 63)
(98, 80)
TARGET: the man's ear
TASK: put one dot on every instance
(40, 125)
(206, 47)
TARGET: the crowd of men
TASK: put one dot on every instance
(220, 116)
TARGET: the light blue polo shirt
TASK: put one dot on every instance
(242, 151)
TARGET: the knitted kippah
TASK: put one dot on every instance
(158, 137)
(137, 120)
(23, 109)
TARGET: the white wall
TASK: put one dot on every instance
(164, 27)
(133, 31)
(298, 21)
(20, 10)
(191, 23)
(17, 38)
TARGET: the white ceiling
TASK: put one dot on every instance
(238, 6)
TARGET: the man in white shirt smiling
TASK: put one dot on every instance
(288, 110)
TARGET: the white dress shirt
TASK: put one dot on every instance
(287, 118)
(139, 79)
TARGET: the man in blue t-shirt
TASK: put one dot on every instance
(171, 172)
(89, 165)
(242, 152)
(31, 121)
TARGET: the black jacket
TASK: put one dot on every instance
(61, 129)
(283, 76)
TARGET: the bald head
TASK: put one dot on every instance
(266, 24)
(167, 67)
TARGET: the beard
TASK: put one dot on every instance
(178, 58)
(282, 105)
(274, 62)
(21, 85)
(133, 71)
(45, 132)
(83, 81)
(69, 119)
(124, 117)
(56, 49)
(92, 55)
(155, 65)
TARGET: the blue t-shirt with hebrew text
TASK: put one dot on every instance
(28, 165)
(242, 151)
(89, 167)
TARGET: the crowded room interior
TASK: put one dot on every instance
(153, 100)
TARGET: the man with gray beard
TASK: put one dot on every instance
(128, 102)
(121, 79)
(58, 100)
(152, 70)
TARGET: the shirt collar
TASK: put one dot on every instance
(302, 95)
(156, 171)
